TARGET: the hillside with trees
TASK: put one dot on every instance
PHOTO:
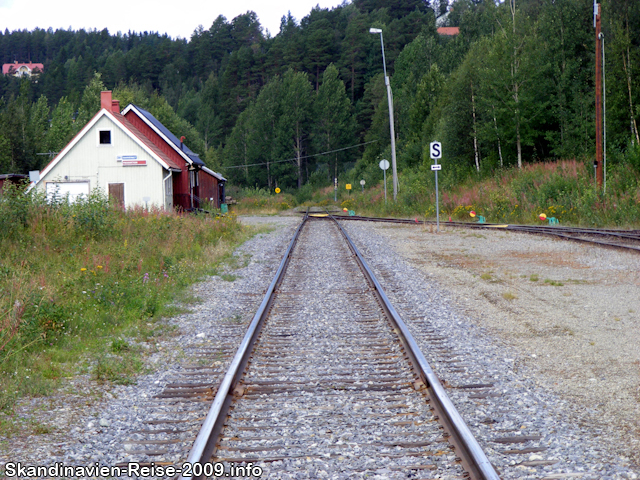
(515, 86)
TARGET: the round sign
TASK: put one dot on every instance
(362, 182)
(384, 164)
(542, 216)
(278, 190)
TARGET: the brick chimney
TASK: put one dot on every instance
(105, 100)
(115, 106)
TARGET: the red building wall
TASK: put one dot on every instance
(209, 188)
(181, 193)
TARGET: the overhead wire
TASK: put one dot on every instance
(296, 158)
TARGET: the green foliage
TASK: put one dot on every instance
(62, 127)
(90, 103)
(92, 215)
(85, 282)
(515, 87)
(334, 121)
(15, 210)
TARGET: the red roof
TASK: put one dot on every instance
(8, 66)
(449, 30)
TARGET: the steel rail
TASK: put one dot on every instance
(634, 234)
(565, 233)
(468, 450)
(205, 443)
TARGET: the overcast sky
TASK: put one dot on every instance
(177, 18)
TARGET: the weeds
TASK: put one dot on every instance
(79, 283)
(563, 190)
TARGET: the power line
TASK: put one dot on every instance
(296, 158)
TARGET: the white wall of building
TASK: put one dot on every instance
(89, 161)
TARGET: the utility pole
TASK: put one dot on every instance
(599, 150)
(392, 132)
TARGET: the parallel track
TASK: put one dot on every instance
(622, 239)
(334, 380)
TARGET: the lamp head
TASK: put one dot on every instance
(375, 30)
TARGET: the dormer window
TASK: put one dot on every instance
(105, 137)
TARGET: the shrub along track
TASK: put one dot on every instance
(329, 381)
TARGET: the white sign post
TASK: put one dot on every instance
(384, 165)
(362, 182)
(435, 150)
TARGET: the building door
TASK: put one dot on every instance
(60, 191)
(116, 191)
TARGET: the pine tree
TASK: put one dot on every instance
(62, 126)
(90, 103)
(294, 122)
(333, 116)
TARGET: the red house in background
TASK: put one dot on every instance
(195, 182)
(449, 31)
(22, 69)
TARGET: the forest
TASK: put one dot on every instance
(515, 86)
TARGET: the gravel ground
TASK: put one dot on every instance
(554, 358)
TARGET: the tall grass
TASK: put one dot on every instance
(563, 189)
(75, 278)
(262, 201)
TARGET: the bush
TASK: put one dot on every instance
(16, 208)
(74, 276)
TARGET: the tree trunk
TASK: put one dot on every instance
(626, 62)
(299, 155)
(475, 129)
(495, 124)
(516, 85)
(353, 83)
(246, 168)
(518, 144)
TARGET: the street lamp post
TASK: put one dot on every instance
(391, 126)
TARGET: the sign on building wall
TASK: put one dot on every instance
(131, 161)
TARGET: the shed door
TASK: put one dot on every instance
(116, 191)
(57, 191)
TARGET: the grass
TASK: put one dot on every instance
(509, 296)
(83, 288)
(553, 283)
(561, 189)
(261, 201)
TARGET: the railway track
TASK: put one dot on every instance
(328, 381)
(621, 239)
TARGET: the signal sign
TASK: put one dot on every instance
(435, 150)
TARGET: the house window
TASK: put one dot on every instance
(105, 137)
